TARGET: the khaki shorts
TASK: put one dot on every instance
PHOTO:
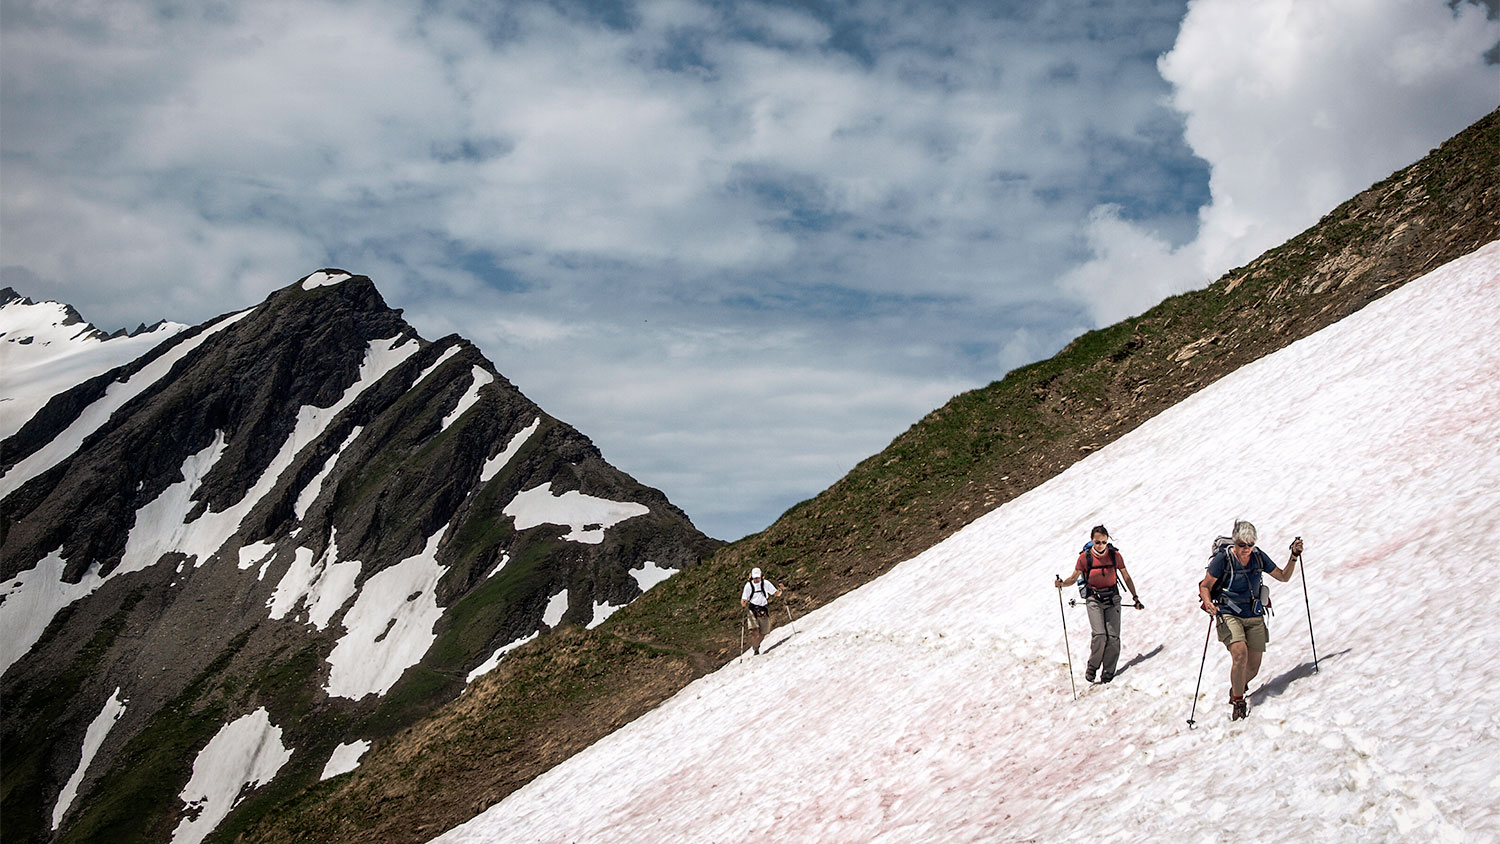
(1252, 631)
(763, 622)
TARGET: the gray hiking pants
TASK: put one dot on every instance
(1104, 648)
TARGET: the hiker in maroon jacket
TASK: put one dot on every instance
(1103, 566)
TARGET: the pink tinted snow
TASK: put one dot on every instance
(933, 704)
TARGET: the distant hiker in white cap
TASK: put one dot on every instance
(755, 598)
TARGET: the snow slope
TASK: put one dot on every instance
(98, 729)
(934, 705)
(44, 351)
(96, 415)
(244, 754)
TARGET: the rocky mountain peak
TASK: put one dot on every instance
(302, 514)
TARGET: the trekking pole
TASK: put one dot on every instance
(1191, 723)
(789, 619)
(1066, 646)
(1308, 604)
(1073, 602)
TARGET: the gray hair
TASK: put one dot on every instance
(1244, 532)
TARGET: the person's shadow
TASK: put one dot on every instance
(1277, 686)
(1138, 659)
(778, 643)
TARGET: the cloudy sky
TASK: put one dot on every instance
(741, 245)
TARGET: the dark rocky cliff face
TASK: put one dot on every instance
(273, 475)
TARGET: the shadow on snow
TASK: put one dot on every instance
(1275, 687)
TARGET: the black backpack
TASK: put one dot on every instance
(1216, 594)
(762, 589)
(758, 610)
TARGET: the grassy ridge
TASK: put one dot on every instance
(565, 691)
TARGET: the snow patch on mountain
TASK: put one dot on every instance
(935, 702)
(479, 381)
(161, 526)
(389, 628)
(602, 611)
(322, 588)
(94, 737)
(309, 493)
(243, 755)
(650, 574)
(324, 278)
(586, 517)
(493, 465)
(557, 607)
(30, 600)
(504, 558)
(255, 552)
(345, 758)
(381, 357)
(432, 367)
(647, 576)
(494, 661)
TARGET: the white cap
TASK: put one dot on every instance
(754, 573)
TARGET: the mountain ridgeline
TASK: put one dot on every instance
(302, 514)
(985, 447)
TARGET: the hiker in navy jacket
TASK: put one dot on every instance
(1103, 566)
(1241, 615)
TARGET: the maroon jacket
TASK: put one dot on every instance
(1101, 567)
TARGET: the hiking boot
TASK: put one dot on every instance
(1106, 678)
(1241, 708)
(1089, 675)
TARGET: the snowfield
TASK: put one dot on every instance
(98, 729)
(42, 354)
(21, 393)
(243, 755)
(586, 516)
(934, 704)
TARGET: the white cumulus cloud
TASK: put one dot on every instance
(1296, 107)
